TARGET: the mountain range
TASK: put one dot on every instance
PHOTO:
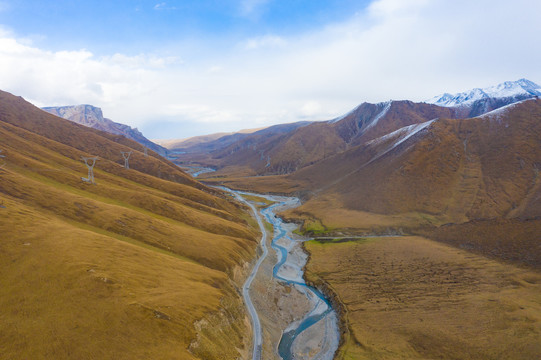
(270, 152)
(512, 90)
(401, 166)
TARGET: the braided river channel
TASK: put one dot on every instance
(316, 334)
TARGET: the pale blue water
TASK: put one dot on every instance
(284, 348)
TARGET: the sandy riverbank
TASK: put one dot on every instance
(283, 306)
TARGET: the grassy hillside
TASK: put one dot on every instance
(145, 264)
(463, 169)
(412, 298)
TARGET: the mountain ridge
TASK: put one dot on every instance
(306, 145)
(519, 90)
(92, 116)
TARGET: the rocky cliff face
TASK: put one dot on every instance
(92, 117)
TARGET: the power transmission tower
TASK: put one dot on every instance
(89, 162)
(126, 156)
(1, 166)
(3, 162)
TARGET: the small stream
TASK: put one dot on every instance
(195, 171)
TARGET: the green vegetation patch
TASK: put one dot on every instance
(341, 240)
(313, 227)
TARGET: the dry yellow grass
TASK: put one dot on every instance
(333, 218)
(74, 293)
(276, 184)
(140, 266)
(412, 298)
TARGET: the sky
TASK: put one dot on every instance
(180, 68)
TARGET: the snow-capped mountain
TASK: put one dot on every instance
(514, 90)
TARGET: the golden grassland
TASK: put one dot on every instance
(146, 264)
(511, 240)
(327, 216)
(411, 298)
(258, 200)
(276, 184)
(74, 293)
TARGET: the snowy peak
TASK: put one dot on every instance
(519, 90)
(514, 88)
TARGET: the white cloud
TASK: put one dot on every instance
(251, 7)
(160, 6)
(215, 69)
(407, 49)
(142, 60)
(267, 41)
(310, 109)
(385, 8)
(163, 6)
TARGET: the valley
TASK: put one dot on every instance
(426, 222)
(300, 323)
(270, 180)
(400, 230)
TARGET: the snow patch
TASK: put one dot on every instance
(380, 115)
(402, 134)
(499, 112)
(399, 136)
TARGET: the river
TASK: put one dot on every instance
(315, 336)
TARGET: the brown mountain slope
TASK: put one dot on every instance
(122, 269)
(370, 121)
(411, 298)
(194, 142)
(445, 171)
(466, 169)
(289, 151)
(238, 153)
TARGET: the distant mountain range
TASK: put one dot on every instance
(516, 90)
(179, 144)
(271, 152)
(479, 101)
(92, 117)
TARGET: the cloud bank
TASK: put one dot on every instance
(396, 49)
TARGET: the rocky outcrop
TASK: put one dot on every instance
(92, 117)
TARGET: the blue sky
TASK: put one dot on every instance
(135, 26)
(181, 68)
